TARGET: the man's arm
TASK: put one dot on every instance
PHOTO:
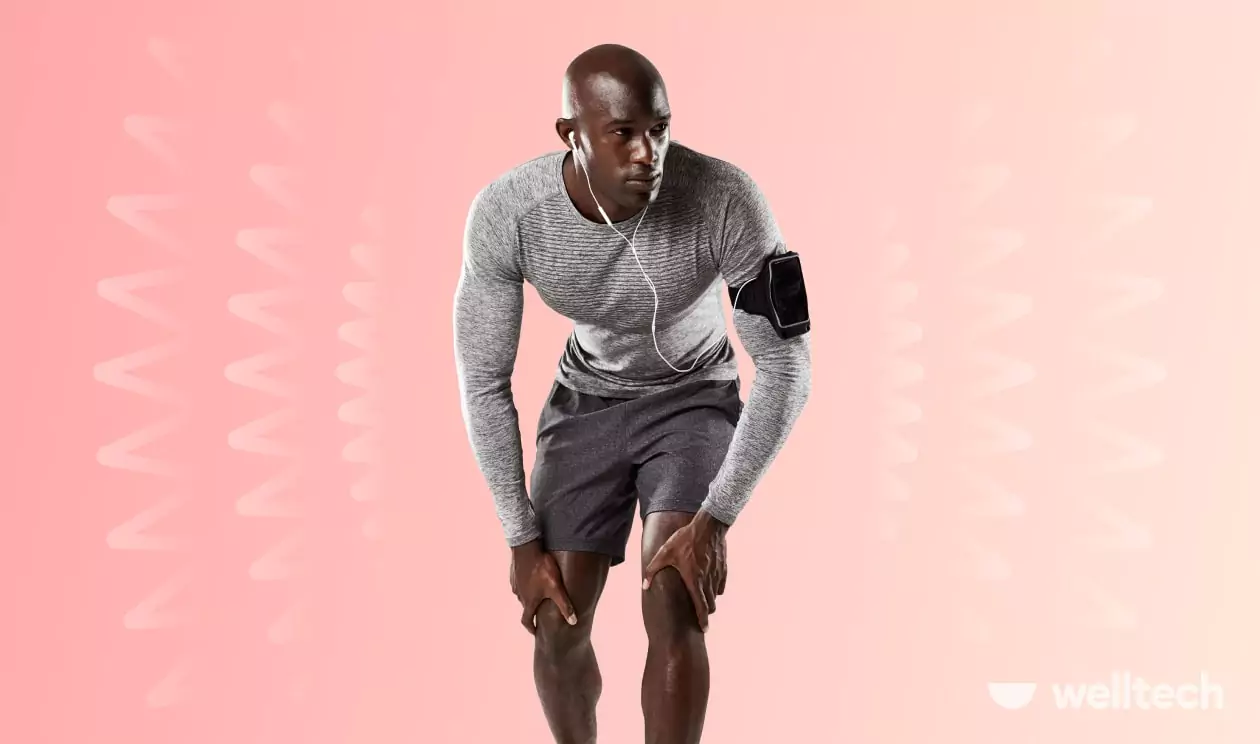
(489, 302)
(748, 236)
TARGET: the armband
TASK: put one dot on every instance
(777, 294)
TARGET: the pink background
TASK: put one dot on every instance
(241, 505)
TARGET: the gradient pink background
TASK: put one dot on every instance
(242, 506)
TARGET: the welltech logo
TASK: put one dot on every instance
(1122, 691)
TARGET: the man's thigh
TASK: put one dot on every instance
(582, 485)
(679, 441)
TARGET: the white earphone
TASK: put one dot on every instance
(656, 301)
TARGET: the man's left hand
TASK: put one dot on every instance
(697, 551)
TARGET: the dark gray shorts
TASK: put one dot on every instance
(598, 456)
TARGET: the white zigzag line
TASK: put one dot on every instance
(991, 246)
(1140, 373)
(265, 499)
(171, 690)
(1111, 612)
(363, 411)
(131, 209)
(247, 373)
(289, 627)
(119, 373)
(154, 611)
(261, 242)
(164, 53)
(277, 563)
(276, 181)
(286, 118)
(1005, 309)
(131, 535)
(1001, 437)
(1124, 534)
(1007, 373)
(901, 334)
(1135, 452)
(981, 184)
(148, 131)
(118, 290)
(998, 501)
(1134, 291)
(1125, 210)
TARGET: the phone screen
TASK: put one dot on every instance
(787, 289)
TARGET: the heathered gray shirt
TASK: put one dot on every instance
(709, 224)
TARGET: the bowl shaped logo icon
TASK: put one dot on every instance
(1012, 695)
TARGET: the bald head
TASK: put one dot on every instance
(596, 77)
(616, 117)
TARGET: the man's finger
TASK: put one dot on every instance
(710, 593)
(527, 619)
(721, 568)
(557, 594)
(659, 561)
(697, 599)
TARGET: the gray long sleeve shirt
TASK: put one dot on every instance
(708, 224)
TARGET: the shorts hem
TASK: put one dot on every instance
(689, 507)
(617, 555)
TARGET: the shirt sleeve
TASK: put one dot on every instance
(747, 235)
(489, 302)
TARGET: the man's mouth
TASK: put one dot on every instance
(643, 182)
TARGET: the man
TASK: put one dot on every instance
(645, 407)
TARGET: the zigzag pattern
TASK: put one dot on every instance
(268, 499)
(155, 611)
(900, 373)
(1107, 610)
(363, 373)
(1119, 532)
(998, 372)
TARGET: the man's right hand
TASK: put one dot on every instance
(535, 577)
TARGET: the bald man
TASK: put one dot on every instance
(630, 236)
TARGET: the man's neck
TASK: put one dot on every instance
(580, 194)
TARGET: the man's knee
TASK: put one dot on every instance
(583, 576)
(554, 638)
(669, 616)
(668, 613)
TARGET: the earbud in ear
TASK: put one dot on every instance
(573, 140)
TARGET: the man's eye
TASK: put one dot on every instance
(660, 128)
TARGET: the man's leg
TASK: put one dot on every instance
(565, 670)
(584, 498)
(676, 677)
(678, 440)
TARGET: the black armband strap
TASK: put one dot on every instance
(777, 294)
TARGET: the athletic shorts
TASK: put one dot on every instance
(598, 457)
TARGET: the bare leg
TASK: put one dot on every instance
(676, 676)
(565, 671)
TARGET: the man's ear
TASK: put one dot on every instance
(564, 127)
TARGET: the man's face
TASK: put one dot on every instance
(625, 134)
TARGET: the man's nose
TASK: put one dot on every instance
(644, 152)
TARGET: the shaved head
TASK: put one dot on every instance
(616, 117)
(596, 75)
